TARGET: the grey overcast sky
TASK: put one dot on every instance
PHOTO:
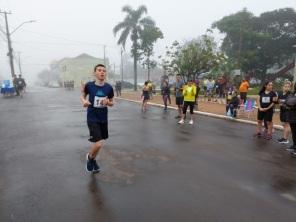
(67, 28)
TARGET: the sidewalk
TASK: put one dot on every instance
(208, 107)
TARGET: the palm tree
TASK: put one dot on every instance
(131, 26)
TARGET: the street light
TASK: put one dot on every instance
(31, 21)
(10, 50)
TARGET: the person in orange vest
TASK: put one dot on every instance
(243, 90)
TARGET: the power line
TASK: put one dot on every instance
(41, 49)
(70, 40)
(47, 43)
(38, 49)
(35, 64)
(1, 30)
(2, 37)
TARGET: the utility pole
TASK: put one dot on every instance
(121, 64)
(8, 35)
(10, 50)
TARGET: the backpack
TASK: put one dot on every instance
(20, 82)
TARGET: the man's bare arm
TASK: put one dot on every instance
(83, 96)
(110, 102)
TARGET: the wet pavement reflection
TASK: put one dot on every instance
(152, 168)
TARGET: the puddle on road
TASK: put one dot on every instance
(283, 183)
(121, 166)
(289, 197)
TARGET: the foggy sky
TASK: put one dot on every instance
(67, 28)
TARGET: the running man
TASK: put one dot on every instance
(179, 95)
(189, 93)
(100, 96)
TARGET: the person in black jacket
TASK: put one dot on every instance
(291, 119)
(233, 105)
(165, 92)
(282, 97)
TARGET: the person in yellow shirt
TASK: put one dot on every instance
(189, 93)
(243, 90)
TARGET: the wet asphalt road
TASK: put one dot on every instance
(153, 169)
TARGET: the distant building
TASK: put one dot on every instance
(78, 69)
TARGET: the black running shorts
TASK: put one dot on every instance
(179, 101)
(191, 106)
(267, 116)
(97, 131)
(283, 116)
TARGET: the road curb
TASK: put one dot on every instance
(213, 115)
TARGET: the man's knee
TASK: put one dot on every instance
(99, 144)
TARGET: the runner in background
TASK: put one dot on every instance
(145, 96)
(165, 92)
(20, 85)
(178, 88)
(189, 93)
(150, 87)
(210, 88)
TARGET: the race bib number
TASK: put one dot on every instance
(265, 99)
(98, 102)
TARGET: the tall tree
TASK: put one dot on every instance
(239, 33)
(193, 58)
(258, 43)
(132, 25)
(149, 36)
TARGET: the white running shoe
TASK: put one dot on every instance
(181, 121)
(191, 122)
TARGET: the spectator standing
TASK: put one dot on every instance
(243, 90)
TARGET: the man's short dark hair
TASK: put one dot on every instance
(99, 65)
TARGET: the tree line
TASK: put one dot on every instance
(252, 44)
